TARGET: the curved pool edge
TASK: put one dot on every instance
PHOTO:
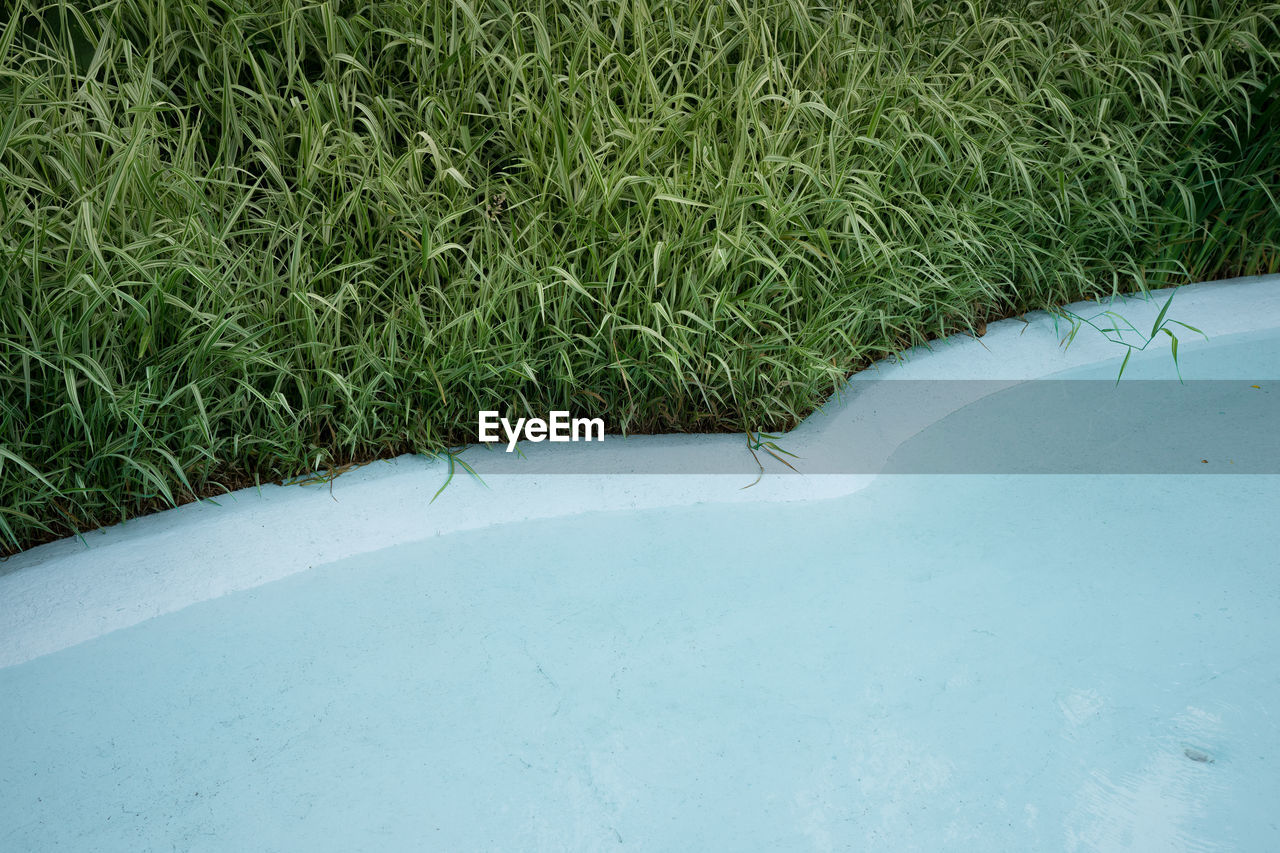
(61, 594)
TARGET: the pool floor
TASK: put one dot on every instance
(947, 662)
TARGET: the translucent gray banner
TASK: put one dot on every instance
(963, 427)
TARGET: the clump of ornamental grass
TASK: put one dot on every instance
(242, 240)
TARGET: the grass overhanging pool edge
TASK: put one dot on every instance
(732, 273)
(62, 593)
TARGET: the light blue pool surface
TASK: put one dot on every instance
(948, 662)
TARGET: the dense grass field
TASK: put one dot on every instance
(245, 239)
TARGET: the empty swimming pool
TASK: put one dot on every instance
(988, 661)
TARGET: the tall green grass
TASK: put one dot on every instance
(244, 239)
